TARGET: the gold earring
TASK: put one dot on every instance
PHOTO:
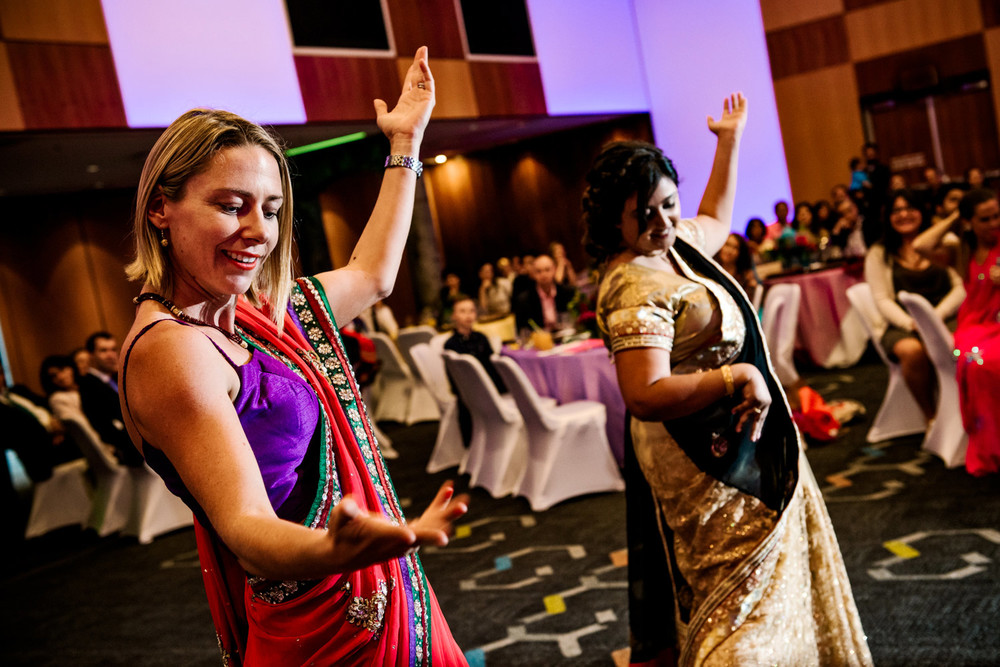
(163, 238)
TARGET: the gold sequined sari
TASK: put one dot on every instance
(733, 559)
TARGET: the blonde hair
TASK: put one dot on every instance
(186, 149)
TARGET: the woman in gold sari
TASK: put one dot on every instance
(732, 556)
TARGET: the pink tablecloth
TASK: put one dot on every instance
(828, 329)
(587, 374)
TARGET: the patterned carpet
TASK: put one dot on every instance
(922, 546)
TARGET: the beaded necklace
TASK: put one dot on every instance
(181, 315)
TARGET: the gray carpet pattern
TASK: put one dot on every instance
(921, 543)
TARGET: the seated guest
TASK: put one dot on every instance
(949, 196)
(847, 238)
(82, 360)
(565, 274)
(894, 265)
(99, 397)
(543, 304)
(755, 234)
(975, 250)
(494, 293)
(451, 289)
(523, 280)
(780, 224)
(58, 377)
(974, 177)
(735, 257)
(467, 341)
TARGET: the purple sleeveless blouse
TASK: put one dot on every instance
(279, 413)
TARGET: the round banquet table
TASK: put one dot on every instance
(828, 329)
(578, 372)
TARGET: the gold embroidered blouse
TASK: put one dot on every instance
(689, 316)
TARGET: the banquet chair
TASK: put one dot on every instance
(61, 500)
(449, 449)
(438, 341)
(780, 319)
(410, 336)
(899, 414)
(757, 297)
(568, 450)
(397, 395)
(946, 438)
(155, 510)
(498, 450)
(112, 497)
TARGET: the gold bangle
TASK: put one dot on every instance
(727, 377)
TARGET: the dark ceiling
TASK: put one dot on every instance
(39, 163)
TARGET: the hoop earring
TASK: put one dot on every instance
(163, 238)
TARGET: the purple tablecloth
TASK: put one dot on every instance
(826, 330)
(582, 375)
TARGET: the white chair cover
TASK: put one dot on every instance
(112, 497)
(757, 297)
(438, 341)
(449, 449)
(62, 500)
(410, 336)
(568, 450)
(946, 438)
(780, 319)
(498, 451)
(397, 395)
(899, 414)
(155, 510)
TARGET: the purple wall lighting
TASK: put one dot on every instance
(173, 55)
(678, 60)
(589, 56)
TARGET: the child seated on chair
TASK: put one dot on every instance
(467, 341)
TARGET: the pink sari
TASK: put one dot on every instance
(977, 344)
(385, 614)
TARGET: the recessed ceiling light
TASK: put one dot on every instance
(441, 159)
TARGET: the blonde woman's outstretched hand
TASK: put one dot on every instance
(408, 119)
(734, 116)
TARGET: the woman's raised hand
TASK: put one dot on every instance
(405, 124)
(734, 116)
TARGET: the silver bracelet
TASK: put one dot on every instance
(405, 161)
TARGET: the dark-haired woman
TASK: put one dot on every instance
(733, 559)
(894, 265)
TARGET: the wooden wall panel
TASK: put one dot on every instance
(430, 23)
(992, 40)
(456, 96)
(909, 24)
(66, 85)
(10, 108)
(516, 199)
(779, 14)
(861, 4)
(336, 88)
(106, 227)
(347, 205)
(508, 89)
(64, 21)
(821, 128)
(807, 46)
(991, 13)
(948, 59)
